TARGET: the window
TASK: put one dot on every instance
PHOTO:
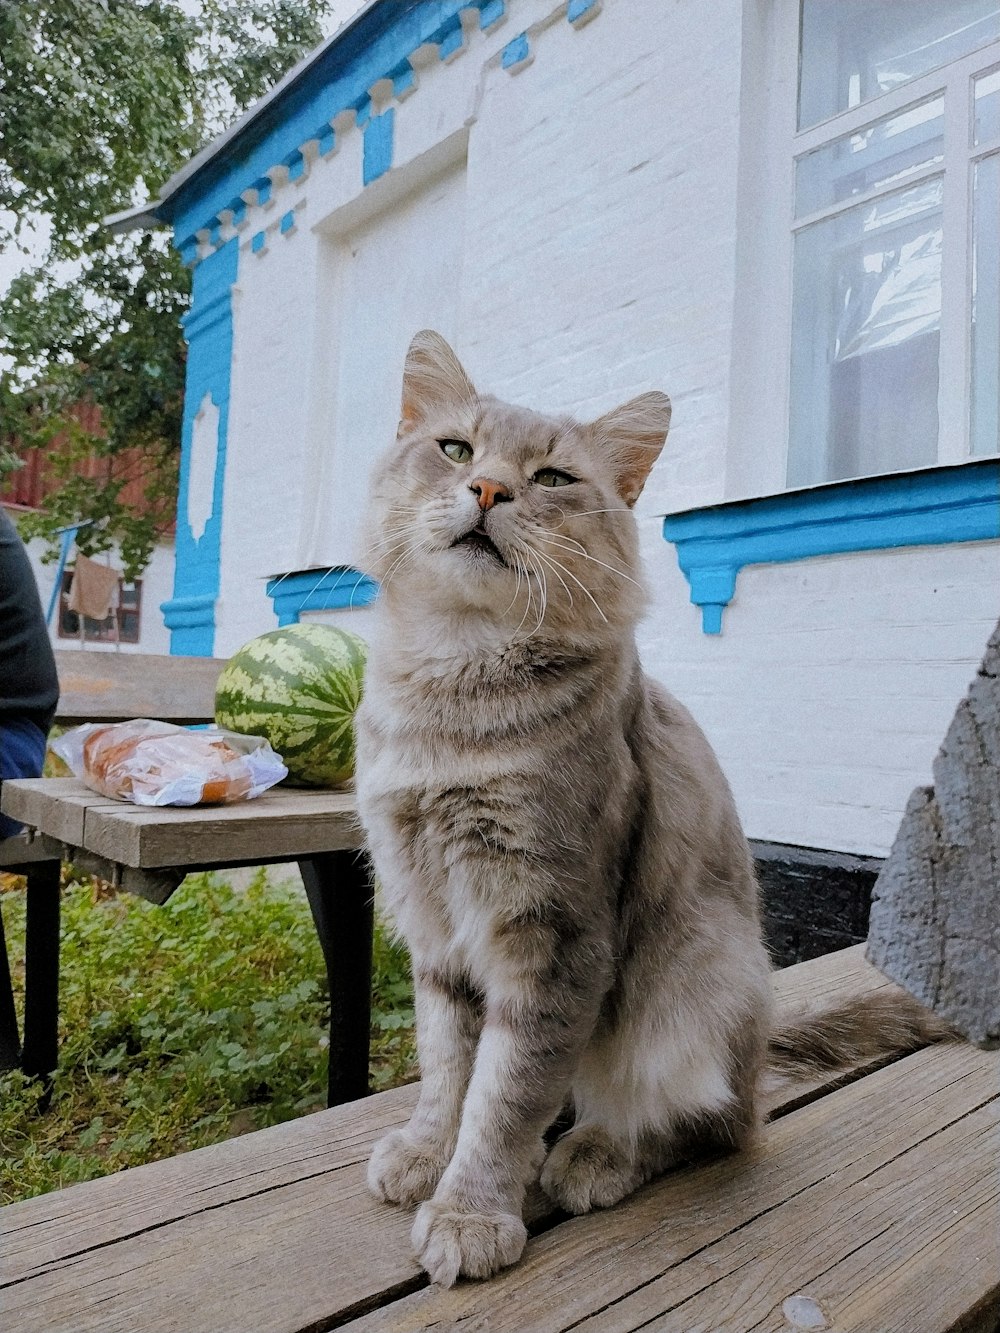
(126, 617)
(886, 147)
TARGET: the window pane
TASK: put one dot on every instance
(881, 154)
(865, 332)
(987, 123)
(986, 307)
(854, 50)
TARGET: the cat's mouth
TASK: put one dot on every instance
(476, 541)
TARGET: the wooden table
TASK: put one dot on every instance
(149, 851)
(870, 1205)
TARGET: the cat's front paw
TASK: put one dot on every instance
(453, 1242)
(586, 1169)
(404, 1170)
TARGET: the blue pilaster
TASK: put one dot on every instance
(208, 329)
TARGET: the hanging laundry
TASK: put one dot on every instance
(94, 590)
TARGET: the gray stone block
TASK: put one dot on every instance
(935, 919)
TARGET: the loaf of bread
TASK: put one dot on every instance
(133, 761)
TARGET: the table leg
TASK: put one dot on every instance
(40, 1053)
(338, 886)
(10, 1041)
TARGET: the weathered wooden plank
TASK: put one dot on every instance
(152, 1195)
(274, 1231)
(21, 850)
(114, 687)
(56, 1228)
(56, 807)
(895, 1162)
(829, 1250)
(282, 822)
(285, 821)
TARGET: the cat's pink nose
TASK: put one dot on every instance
(489, 493)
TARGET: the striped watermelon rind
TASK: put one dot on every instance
(299, 686)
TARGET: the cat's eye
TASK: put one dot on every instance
(457, 450)
(551, 476)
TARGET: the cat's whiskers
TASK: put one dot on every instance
(530, 597)
(521, 572)
(400, 560)
(583, 513)
(555, 540)
(554, 566)
(582, 586)
(544, 598)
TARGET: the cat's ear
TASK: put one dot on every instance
(631, 436)
(433, 379)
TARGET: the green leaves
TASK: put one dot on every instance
(100, 102)
(181, 1024)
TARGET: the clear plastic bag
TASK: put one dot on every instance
(157, 763)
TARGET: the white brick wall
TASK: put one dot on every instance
(598, 260)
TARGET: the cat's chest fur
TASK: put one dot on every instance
(456, 787)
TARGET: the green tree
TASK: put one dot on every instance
(101, 101)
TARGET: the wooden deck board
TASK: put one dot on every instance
(722, 1246)
(278, 1232)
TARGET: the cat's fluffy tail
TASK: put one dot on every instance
(882, 1024)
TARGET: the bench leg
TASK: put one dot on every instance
(338, 886)
(10, 1041)
(40, 1053)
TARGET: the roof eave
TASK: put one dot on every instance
(150, 214)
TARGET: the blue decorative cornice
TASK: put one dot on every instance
(945, 504)
(377, 147)
(319, 590)
(295, 123)
(376, 46)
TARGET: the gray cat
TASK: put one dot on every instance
(553, 834)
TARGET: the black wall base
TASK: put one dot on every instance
(812, 902)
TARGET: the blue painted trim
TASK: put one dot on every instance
(326, 140)
(516, 52)
(68, 537)
(363, 111)
(319, 590)
(377, 157)
(258, 241)
(582, 9)
(376, 45)
(404, 80)
(948, 504)
(287, 222)
(490, 13)
(208, 328)
(264, 187)
(296, 165)
(451, 40)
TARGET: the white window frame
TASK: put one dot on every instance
(771, 143)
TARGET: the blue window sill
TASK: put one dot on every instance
(925, 508)
(319, 590)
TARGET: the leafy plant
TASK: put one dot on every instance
(181, 1025)
(100, 102)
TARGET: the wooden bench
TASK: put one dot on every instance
(149, 852)
(871, 1203)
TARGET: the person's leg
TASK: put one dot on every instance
(22, 755)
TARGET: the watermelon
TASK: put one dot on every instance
(299, 686)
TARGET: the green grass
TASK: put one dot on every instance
(182, 1025)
